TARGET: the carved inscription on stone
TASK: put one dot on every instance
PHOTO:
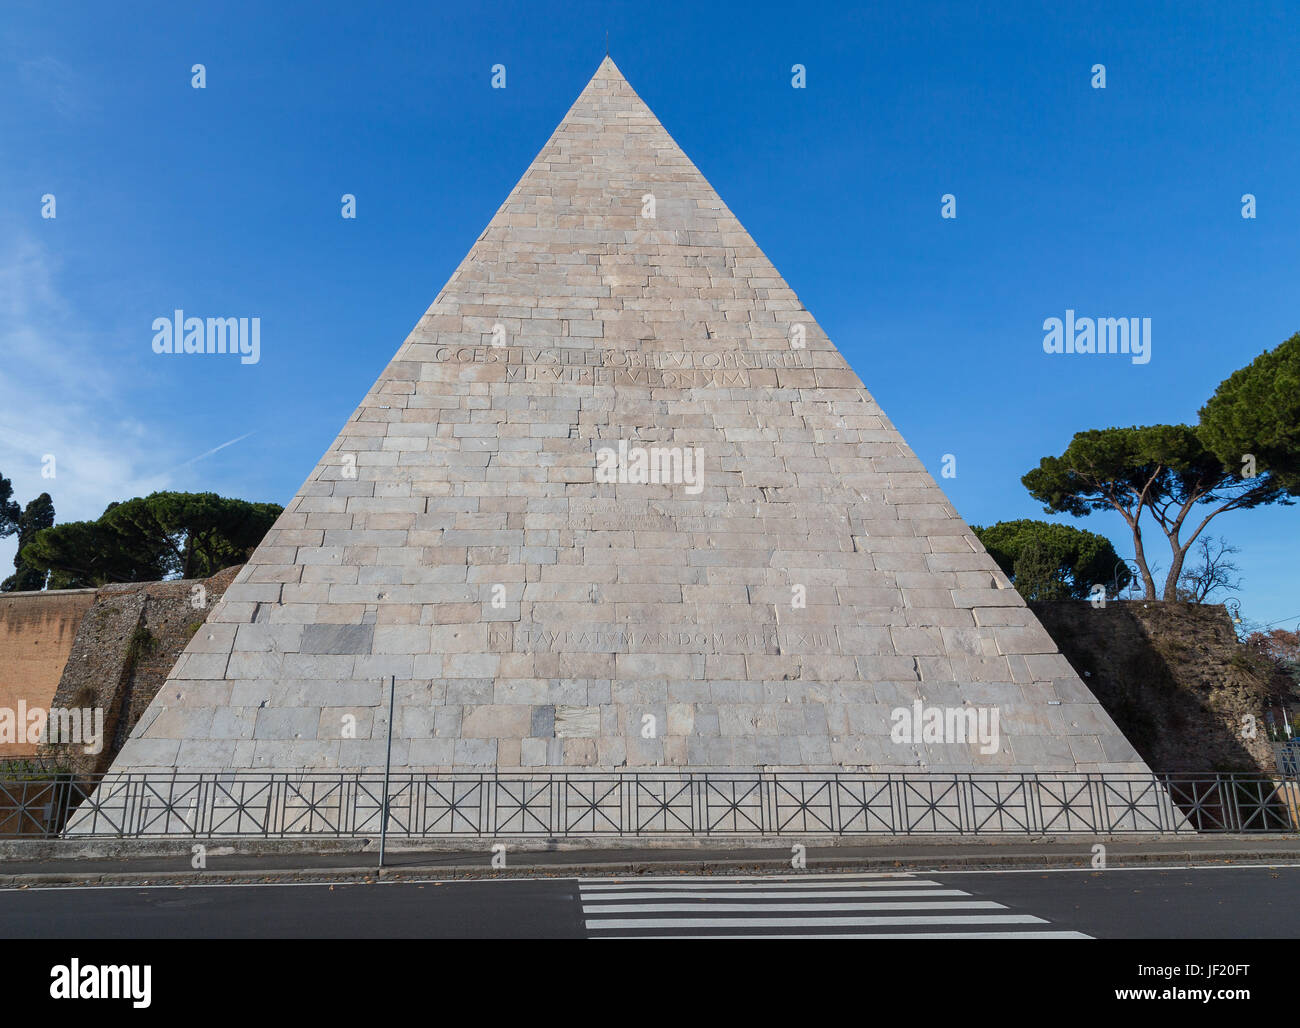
(739, 639)
(567, 365)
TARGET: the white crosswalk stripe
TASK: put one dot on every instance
(800, 907)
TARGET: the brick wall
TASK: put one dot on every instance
(1174, 678)
(126, 646)
(37, 630)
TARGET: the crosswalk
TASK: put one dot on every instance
(823, 906)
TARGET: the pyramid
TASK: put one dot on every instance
(618, 503)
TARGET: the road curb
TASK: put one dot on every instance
(478, 871)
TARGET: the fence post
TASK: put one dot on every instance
(388, 766)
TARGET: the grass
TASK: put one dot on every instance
(23, 769)
(141, 644)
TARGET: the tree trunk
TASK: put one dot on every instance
(1140, 558)
(1175, 572)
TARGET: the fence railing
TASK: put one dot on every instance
(635, 804)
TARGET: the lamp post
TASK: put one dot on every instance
(1135, 575)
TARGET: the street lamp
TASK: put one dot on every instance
(1135, 574)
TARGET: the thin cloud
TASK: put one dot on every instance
(58, 85)
(61, 397)
(209, 453)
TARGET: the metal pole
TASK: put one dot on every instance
(388, 766)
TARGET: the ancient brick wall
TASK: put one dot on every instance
(36, 634)
(127, 644)
(1174, 679)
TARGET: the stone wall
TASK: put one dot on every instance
(1173, 677)
(127, 644)
(36, 634)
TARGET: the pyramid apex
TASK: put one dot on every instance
(608, 69)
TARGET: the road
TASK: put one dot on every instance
(1218, 902)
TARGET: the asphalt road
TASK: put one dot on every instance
(1238, 902)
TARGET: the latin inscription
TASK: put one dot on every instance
(659, 639)
(682, 369)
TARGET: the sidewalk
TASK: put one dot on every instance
(122, 862)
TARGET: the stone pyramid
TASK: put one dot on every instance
(619, 503)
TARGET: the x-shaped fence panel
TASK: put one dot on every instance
(593, 804)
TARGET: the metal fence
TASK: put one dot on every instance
(212, 805)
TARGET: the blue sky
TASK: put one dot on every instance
(225, 201)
